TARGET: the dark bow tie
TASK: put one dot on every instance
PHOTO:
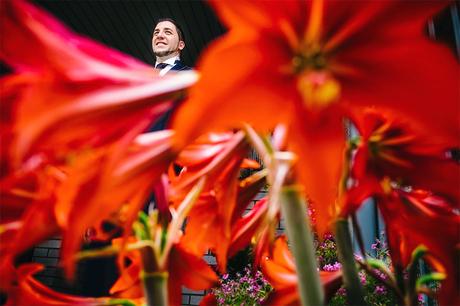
(161, 66)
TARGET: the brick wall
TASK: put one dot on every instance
(47, 253)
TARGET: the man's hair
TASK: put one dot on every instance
(175, 23)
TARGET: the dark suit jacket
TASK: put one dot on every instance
(162, 122)
(179, 66)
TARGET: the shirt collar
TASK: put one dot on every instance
(170, 61)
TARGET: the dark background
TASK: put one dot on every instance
(128, 25)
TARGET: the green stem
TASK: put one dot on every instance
(298, 229)
(155, 282)
(155, 288)
(359, 236)
(355, 293)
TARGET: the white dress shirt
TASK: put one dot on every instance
(170, 62)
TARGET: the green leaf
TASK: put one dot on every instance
(139, 231)
(427, 278)
(102, 252)
(418, 253)
(121, 302)
(382, 267)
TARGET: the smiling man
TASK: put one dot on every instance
(167, 44)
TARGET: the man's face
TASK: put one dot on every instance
(165, 40)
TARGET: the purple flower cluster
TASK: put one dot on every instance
(248, 288)
(331, 268)
(380, 290)
(362, 277)
(380, 274)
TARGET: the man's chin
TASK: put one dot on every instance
(163, 53)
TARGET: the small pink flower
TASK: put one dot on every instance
(380, 290)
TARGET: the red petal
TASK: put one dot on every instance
(247, 226)
(90, 194)
(281, 274)
(227, 89)
(247, 15)
(32, 292)
(408, 217)
(403, 63)
(247, 191)
(209, 300)
(391, 147)
(215, 213)
(190, 270)
(65, 51)
(319, 143)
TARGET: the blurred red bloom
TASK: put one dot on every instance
(84, 194)
(212, 219)
(184, 269)
(392, 148)
(30, 291)
(306, 63)
(27, 214)
(397, 164)
(122, 180)
(419, 217)
(279, 269)
(72, 111)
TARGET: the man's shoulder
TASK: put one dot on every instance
(179, 66)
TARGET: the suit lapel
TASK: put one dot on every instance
(178, 66)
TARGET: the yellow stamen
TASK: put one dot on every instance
(318, 89)
(375, 138)
(386, 185)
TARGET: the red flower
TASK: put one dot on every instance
(87, 192)
(27, 214)
(392, 148)
(29, 291)
(122, 180)
(279, 270)
(419, 217)
(306, 63)
(212, 220)
(76, 106)
(184, 269)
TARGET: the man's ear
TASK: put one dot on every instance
(181, 45)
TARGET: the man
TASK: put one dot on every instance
(167, 44)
